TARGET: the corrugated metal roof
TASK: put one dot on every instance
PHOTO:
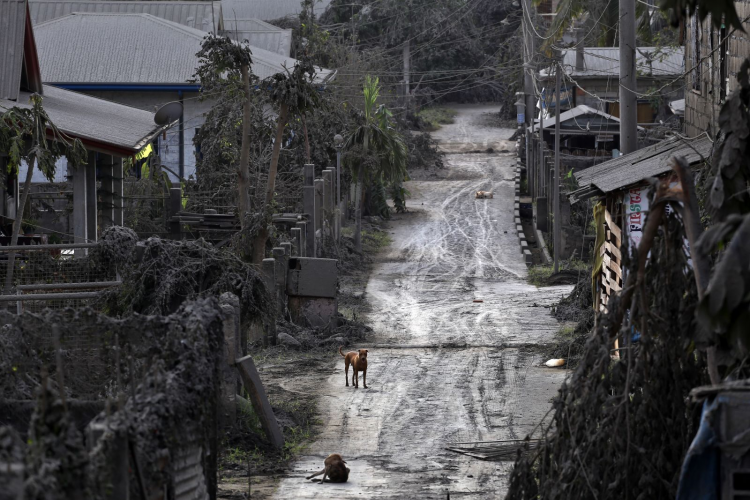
(635, 167)
(605, 61)
(12, 25)
(87, 117)
(267, 10)
(130, 48)
(259, 34)
(205, 16)
(576, 117)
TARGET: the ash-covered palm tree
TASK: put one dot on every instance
(384, 154)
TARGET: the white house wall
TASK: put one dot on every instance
(194, 111)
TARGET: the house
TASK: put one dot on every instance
(592, 76)
(109, 131)
(205, 16)
(621, 185)
(266, 10)
(713, 58)
(114, 57)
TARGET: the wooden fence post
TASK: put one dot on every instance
(254, 387)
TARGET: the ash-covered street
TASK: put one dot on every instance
(442, 368)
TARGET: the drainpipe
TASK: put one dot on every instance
(182, 136)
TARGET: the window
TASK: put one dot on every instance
(645, 111)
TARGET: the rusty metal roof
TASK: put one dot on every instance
(638, 166)
(12, 27)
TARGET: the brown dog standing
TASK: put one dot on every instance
(335, 469)
(358, 360)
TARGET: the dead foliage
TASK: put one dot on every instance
(171, 272)
(621, 427)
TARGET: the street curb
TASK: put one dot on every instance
(522, 243)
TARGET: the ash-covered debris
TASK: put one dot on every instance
(171, 272)
(56, 459)
(156, 377)
(576, 309)
(346, 332)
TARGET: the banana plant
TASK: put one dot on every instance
(384, 151)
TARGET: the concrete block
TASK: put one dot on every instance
(519, 228)
(517, 220)
(524, 245)
(315, 311)
(307, 277)
(296, 239)
(528, 257)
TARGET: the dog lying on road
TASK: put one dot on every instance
(335, 469)
(484, 194)
(358, 360)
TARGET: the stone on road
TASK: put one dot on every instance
(448, 369)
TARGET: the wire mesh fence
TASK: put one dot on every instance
(54, 274)
(143, 389)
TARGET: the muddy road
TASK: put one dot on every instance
(442, 368)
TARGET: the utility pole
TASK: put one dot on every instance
(407, 72)
(628, 102)
(528, 89)
(556, 187)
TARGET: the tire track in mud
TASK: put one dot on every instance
(450, 250)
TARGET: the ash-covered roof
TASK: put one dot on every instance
(259, 34)
(131, 49)
(267, 10)
(635, 167)
(88, 118)
(12, 28)
(205, 16)
(584, 119)
(604, 62)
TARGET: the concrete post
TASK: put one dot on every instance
(308, 196)
(328, 200)
(287, 246)
(304, 244)
(80, 228)
(280, 266)
(296, 241)
(230, 307)
(92, 214)
(268, 266)
(336, 204)
(319, 188)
